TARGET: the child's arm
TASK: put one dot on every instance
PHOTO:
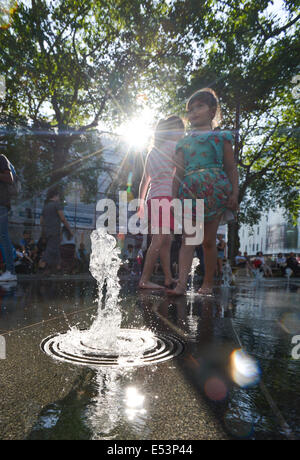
(232, 173)
(144, 186)
(64, 221)
(179, 174)
(143, 190)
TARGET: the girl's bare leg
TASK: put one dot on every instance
(151, 258)
(165, 259)
(186, 256)
(210, 254)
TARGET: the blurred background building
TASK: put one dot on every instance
(272, 235)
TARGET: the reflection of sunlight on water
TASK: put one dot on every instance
(107, 409)
(245, 370)
(193, 323)
(235, 421)
(134, 403)
(103, 413)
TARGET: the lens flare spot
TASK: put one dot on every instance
(215, 389)
(290, 322)
(245, 370)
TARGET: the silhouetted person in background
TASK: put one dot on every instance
(51, 219)
(6, 179)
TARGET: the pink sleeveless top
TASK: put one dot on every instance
(161, 169)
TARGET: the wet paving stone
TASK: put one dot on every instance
(193, 396)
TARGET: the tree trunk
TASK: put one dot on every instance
(237, 132)
(60, 159)
(233, 227)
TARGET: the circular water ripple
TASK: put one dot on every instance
(150, 350)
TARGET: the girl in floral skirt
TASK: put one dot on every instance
(205, 170)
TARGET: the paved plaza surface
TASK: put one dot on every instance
(193, 396)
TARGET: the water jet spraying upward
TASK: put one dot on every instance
(106, 343)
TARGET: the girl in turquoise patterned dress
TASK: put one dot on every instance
(206, 170)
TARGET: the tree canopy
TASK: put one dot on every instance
(70, 64)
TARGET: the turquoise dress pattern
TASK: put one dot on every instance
(205, 177)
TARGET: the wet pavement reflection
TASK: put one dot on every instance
(236, 378)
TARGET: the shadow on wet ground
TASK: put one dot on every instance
(197, 395)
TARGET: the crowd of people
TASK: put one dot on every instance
(55, 251)
(270, 264)
(28, 256)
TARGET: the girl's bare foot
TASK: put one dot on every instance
(205, 290)
(170, 283)
(178, 291)
(149, 285)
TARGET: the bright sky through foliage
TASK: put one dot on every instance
(138, 131)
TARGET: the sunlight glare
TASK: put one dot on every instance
(134, 403)
(137, 132)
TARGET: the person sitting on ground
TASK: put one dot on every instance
(240, 261)
(291, 262)
(51, 219)
(248, 259)
(257, 263)
(245, 255)
(248, 262)
(28, 246)
(227, 273)
(27, 242)
(281, 263)
(264, 265)
(23, 263)
(267, 267)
